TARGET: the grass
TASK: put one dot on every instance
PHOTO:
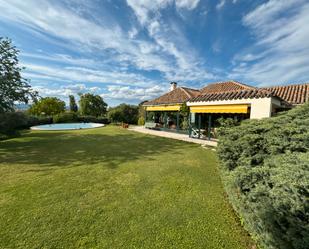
(112, 188)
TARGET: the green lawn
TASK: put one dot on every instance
(112, 188)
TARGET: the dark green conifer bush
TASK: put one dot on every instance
(265, 167)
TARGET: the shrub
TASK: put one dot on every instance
(10, 122)
(185, 123)
(123, 113)
(141, 121)
(265, 166)
(38, 120)
(67, 117)
(89, 119)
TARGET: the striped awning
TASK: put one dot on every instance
(163, 108)
(220, 109)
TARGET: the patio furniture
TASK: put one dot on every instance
(150, 125)
(196, 133)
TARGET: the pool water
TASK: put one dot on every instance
(66, 126)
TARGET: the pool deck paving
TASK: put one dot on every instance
(177, 136)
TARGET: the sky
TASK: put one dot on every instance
(129, 50)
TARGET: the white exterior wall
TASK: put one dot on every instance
(260, 108)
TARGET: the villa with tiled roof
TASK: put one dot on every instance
(230, 99)
(177, 95)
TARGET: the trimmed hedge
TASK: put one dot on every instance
(67, 117)
(11, 122)
(71, 117)
(265, 169)
(89, 119)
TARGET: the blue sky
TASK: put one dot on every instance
(129, 50)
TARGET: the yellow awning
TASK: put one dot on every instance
(219, 109)
(163, 108)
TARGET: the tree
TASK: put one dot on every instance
(141, 109)
(124, 113)
(47, 106)
(93, 105)
(13, 87)
(73, 106)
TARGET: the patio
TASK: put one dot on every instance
(177, 136)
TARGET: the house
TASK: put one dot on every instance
(230, 99)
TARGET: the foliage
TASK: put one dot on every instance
(13, 87)
(184, 110)
(66, 117)
(71, 117)
(124, 113)
(73, 105)
(114, 189)
(185, 123)
(184, 113)
(38, 120)
(141, 121)
(225, 123)
(141, 109)
(89, 119)
(266, 171)
(47, 106)
(12, 122)
(92, 105)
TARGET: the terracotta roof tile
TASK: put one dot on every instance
(225, 87)
(293, 94)
(230, 95)
(177, 96)
(229, 90)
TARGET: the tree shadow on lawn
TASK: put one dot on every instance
(69, 149)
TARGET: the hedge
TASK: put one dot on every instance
(11, 122)
(67, 117)
(265, 169)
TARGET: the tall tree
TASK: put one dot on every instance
(124, 113)
(13, 87)
(73, 105)
(93, 105)
(47, 106)
(141, 109)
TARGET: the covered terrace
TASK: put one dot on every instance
(164, 113)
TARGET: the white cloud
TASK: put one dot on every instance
(132, 33)
(128, 93)
(143, 9)
(61, 22)
(220, 5)
(87, 35)
(166, 49)
(78, 74)
(64, 91)
(281, 52)
(169, 38)
(59, 58)
(187, 4)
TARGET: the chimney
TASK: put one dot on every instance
(173, 86)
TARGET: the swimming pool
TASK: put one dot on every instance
(66, 126)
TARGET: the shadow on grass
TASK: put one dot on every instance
(70, 149)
